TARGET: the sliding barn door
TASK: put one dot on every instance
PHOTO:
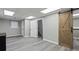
(65, 29)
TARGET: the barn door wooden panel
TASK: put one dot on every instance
(65, 29)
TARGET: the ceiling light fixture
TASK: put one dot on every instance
(9, 13)
(48, 10)
(75, 14)
(30, 17)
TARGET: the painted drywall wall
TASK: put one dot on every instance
(50, 28)
(34, 28)
(76, 22)
(76, 25)
(5, 26)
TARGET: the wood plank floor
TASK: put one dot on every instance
(31, 44)
(76, 44)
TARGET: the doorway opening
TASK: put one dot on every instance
(40, 29)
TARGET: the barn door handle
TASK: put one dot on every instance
(71, 29)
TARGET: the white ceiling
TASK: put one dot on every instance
(21, 13)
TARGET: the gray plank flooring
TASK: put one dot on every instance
(31, 44)
(76, 44)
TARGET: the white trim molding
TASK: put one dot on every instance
(26, 36)
(50, 41)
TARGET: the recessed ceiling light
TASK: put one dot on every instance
(48, 10)
(30, 17)
(75, 14)
(9, 13)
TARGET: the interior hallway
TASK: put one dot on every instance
(31, 44)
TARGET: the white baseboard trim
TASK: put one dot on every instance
(51, 41)
(26, 36)
(30, 37)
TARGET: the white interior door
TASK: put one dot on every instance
(27, 28)
(34, 28)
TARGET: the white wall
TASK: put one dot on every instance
(34, 28)
(5, 26)
(23, 28)
(76, 22)
(50, 28)
(76, 25)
